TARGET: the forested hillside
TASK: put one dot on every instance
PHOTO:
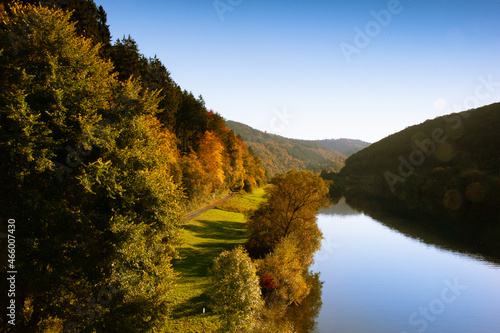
(101, 152)
(450, 161)
(344, 146)
(279, 154)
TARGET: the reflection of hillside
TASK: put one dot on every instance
(473, 232)
(341, 208)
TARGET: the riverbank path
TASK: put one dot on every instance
(192, 215)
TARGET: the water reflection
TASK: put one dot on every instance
(303, 316)
(386, 277)
(339, 208)
(472, 232)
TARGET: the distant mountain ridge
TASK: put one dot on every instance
(279, 154)
(344, 146)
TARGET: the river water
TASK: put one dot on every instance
(378, 280)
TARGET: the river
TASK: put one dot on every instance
(379, 280)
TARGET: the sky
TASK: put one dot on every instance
(317, 69)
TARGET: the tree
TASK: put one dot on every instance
(127, 59)
(90, 20)
(195, 181)
(89, 180)
(191, 122)
(293, 200)
(158, 77)
(235, 171)
(285, 266)
(211, 154)
(235, 291)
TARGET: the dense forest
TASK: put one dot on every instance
(449, 162)
(279, 154)
(102, 152)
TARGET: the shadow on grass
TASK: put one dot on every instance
(193, 306)
(196, 259)
(220, 236)
(218, 230)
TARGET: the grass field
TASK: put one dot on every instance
(205, 237)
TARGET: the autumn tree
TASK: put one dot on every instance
(211, 154)
(235, 170)
(293, 200)
(255, 175)
(235, 290)
(89, 179)
(285, 266)
(90, 20)
(195, 181)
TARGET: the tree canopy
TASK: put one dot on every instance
(293, 200)
(99, 170)
(235, 290)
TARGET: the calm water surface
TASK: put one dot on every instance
(377, 280)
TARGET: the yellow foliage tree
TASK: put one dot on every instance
(293, 202)
(211, 156)
(285, 267)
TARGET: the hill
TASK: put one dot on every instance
(344, 146)
(448, 161)
(279, 154)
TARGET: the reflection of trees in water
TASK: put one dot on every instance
(303, 316)
(339, 208)
(471, 230)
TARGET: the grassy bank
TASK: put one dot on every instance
(205, 237)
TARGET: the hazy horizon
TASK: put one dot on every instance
(358, 70)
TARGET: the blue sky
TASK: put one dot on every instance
(323, 69)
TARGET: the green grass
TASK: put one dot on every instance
(244, 203)
(205, 238)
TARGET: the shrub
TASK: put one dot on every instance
(235, 291)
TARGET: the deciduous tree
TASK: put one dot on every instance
(88, 178)
(285, 265)
(293, 200)
(211, 154)
(235, 292)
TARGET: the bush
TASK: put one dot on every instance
(235, 291)
(284, 265)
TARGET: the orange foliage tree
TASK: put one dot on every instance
(211, 156)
